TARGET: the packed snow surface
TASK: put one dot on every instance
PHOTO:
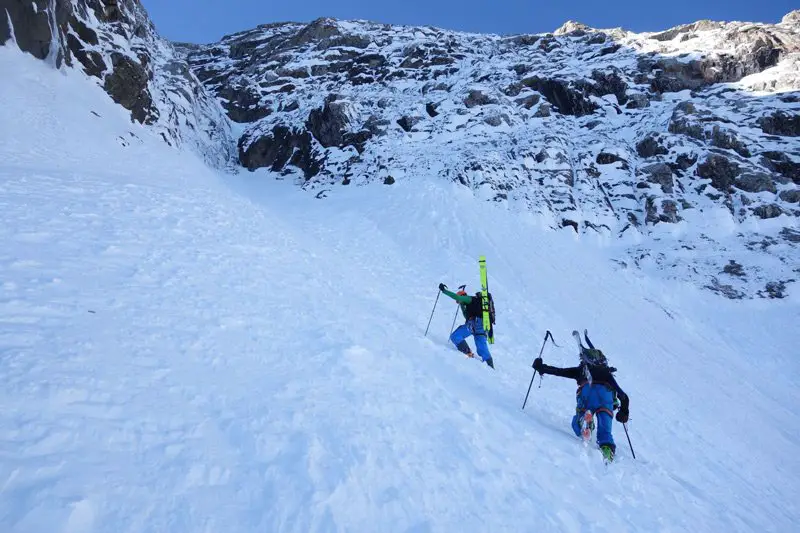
(185, 351)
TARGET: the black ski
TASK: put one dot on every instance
(586, 336)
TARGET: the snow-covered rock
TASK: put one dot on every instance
(115, 42)
(604, 131)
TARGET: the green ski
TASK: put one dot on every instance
(486, 301)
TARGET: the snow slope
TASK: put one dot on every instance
(185, 351)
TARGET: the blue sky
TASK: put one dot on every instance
(203, 21)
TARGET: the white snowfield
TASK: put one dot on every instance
(185, 351)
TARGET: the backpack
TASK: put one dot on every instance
(475, 307)
(491, 308)
(593, 356)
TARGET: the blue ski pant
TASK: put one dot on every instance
(599, 399)
(474, 327)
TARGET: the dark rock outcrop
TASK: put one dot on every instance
(774, 289)
(568, 99)
(669, 210)
(243, 104)
(127, 85)
(683, 123)
(755, 182)
(650, 146)
(781, 123)
(791, 196)
(760, 51)
(684, 162)
(720, 170)
(543, 110)
(330, 123)
(790, 235)
(768, 211)
(605, 158)
(780, 163)
(283, 146)
(734, 269)
(32, 30)
(322, 31)
(728, 140)
(659, 173)
(91, 60)
(478, 98)
(408, 122)
(528, 101)
(637, 101)
(610, 82)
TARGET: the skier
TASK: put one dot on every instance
(597, 396)
(472, 310)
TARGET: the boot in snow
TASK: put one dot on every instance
(608, 452)
(587, 425)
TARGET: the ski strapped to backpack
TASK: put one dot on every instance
(487, 303)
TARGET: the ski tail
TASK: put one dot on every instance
(586, 336)
(587, 426)
(581, 349)
(578, 339)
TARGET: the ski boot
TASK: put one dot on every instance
(490, 362)
(587, 426)
(608, 452)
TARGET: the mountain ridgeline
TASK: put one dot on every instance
(681, 148)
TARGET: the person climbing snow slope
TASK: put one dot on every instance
(597, 396)
(471, 308)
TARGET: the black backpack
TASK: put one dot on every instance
(475, 307)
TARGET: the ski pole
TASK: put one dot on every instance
(548, 334)
(462, 287)
(432, 310)
(625, 425)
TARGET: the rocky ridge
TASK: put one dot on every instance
(630, 136)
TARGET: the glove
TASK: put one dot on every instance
(622, 416)
(537, 364)
(442, 286)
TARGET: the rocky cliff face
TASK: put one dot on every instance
(115, 43)
(631, 136)
(679, 148)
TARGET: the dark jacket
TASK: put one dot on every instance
(601, 375)
(471, 306)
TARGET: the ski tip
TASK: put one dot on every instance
(575, 333)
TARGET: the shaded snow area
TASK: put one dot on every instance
(185, 351)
